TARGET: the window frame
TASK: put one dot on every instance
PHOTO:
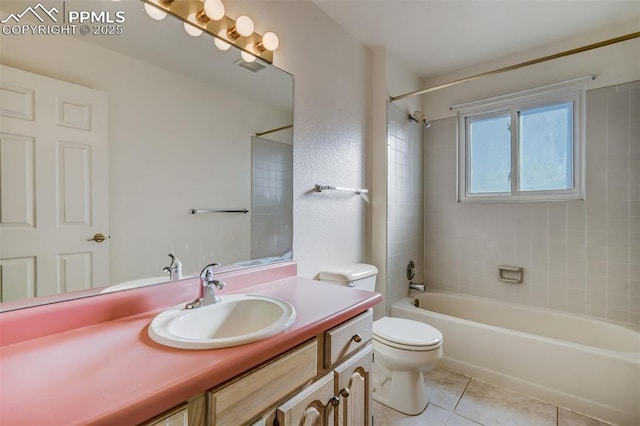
(512, 104)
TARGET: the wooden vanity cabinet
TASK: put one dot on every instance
(178, 416)
(324, 382)
(342, 397)
(191, 413)
(246, 399)
(353, 386)
(313, 406)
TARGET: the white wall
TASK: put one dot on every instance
(579, 256)
(331, 81)
(613, 64)
(396, 202)
(167, 135)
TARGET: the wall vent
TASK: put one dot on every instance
(254, 66)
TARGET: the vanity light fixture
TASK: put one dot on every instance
(243, 27)
(214, 9)
(219, 41)
(200, 16)
(189, 25)
(154, 9)
(270, 42)
(154, 12)
(246, 56)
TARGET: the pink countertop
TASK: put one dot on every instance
(110, 372)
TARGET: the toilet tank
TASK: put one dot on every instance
(358, 275)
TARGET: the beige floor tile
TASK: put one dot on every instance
(456, 420)
(444, 388)
(493, 406)
(567, 417)
(479, 403)
(436, 416)
(385, 416)
(432, 416)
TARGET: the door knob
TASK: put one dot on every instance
(98, 238)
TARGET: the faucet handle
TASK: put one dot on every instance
(207, 272)
(207, 288)
(175, 262)
(174, 269)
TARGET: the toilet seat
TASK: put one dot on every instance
(406, 334)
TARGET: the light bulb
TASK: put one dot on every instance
(191, 29)
(214, 9)
(270, 41)
(246, 56)
(244, 26)
(220, 43)
(154, 12)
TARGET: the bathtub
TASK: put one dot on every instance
(580, 363)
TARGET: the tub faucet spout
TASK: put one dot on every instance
(416, 286)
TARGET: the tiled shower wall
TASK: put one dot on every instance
(405, 203)
(578, 256)
(271, 198)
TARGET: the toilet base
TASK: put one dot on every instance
(404, 391)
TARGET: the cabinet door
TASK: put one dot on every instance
(242, 401)
(353, 386)
(176, 417)
(313, 406)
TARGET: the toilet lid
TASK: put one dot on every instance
(406, 332)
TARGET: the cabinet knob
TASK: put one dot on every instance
(357, 338)
(344, 392)
(334, 400)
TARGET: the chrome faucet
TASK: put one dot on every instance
(208, 286)
(174, 269)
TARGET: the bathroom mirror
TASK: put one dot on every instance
(179, 118)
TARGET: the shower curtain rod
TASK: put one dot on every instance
(274, 130)
(520, 65)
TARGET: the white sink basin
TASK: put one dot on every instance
(238, 319)
(142, 282)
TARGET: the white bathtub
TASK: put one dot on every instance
(576, 362)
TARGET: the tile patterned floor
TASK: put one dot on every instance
(457, 400)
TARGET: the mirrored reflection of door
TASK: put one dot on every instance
(53, 186)
(271, 198)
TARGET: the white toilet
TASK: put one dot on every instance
(404, 349)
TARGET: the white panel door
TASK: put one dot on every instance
(53, 186)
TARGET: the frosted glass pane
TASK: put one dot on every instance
(546, 152)
(490, 154)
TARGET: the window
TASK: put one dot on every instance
(521, 147)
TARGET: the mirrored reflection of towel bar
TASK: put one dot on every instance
(199, 211)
